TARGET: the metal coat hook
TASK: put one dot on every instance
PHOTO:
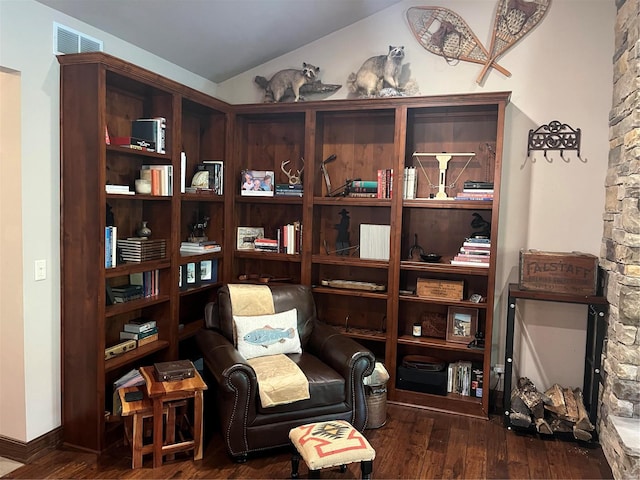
(555, 136)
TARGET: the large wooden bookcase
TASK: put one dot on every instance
(101, 95)
(367, 136)
(99, 91)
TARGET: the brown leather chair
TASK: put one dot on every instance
(334, 365)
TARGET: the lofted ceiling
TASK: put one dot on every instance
(218, 39)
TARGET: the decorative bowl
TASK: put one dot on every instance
(430, 257)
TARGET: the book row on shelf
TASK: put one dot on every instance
(288, 239)
(209, 177)
(141, 285)
(463, 377)
(148, 134)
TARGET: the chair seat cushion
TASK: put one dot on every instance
(326, 386)
(327, 444)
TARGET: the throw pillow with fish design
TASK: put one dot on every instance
(263, 335)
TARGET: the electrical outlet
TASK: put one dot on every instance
(499, 368)
(40, 270)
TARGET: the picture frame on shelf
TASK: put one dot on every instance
(462, 324)
(209, 271)
(257, 183)
(247, 236)
(192, 275)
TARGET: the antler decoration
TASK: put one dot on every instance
(293, 179)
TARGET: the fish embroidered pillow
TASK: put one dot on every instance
(263, 335)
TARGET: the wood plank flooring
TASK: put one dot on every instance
(413, 444)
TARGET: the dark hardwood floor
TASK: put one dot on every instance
(413, 444)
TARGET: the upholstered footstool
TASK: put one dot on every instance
(330, 444)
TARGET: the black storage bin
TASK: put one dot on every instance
(422, 380)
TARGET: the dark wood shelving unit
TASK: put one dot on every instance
(100, 92)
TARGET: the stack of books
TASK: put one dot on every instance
(140, 249)
(195, 248)
(142, 331)
(289, 190)
(119, 189)
(266, 245)
(364, 188)
(474, 190)
(134, 143)
(474, 252)
(125, 293)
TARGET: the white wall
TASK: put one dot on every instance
(26, 33)
(562, 70)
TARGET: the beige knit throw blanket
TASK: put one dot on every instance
(247, 299)
(280, 380)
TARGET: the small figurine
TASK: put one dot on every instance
(342, 241)
(481, 225)
(198, 230)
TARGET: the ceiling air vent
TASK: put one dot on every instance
(68, 40)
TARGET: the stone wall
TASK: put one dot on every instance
(619, 415)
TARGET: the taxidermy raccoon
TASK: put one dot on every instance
(377, 71)
(290, 78)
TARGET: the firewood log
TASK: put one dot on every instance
(581, 434)
(583, 422)
(543, 427)
(556, 401)
(572, 405)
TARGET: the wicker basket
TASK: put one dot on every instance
(377, 405)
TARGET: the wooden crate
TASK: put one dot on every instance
(560, 272)
(432, 288)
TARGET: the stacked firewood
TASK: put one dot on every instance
(556, 410)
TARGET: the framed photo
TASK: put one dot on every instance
(192, 274)
(256, 183)
(462, 324)
(247, 236)
(209, 271)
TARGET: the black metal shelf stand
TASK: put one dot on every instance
(596, 329)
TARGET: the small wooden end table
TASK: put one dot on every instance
(164, 392)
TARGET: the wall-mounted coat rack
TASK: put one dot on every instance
(555, 136)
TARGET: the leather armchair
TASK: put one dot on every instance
(334, 365)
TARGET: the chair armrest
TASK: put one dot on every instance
(223, 360)
(340, 352)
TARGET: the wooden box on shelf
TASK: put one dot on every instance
(444, 289)
(561, 272)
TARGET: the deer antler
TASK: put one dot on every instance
(293, 179)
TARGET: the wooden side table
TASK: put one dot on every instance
(165, 392)
(140, 410)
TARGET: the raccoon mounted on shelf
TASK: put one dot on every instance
(276, 88)
(377, 73)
